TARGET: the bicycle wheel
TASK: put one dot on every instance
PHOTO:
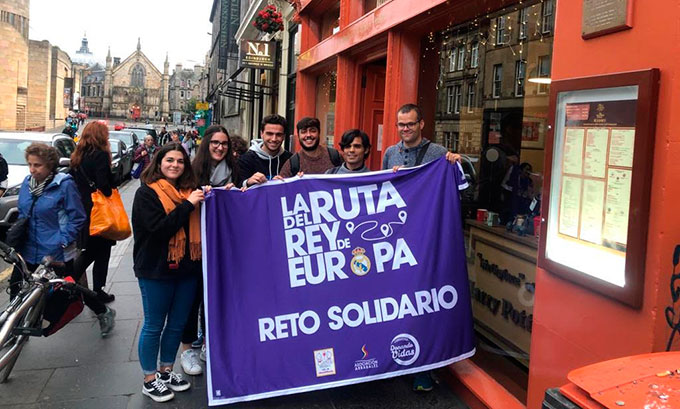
(13, 346)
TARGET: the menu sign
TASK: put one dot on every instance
(597, 168)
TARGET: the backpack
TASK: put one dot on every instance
(421, 154)
(336, 160)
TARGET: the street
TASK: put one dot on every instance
(76, 368)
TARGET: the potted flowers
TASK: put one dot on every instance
(269, 20)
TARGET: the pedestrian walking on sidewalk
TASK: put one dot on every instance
(91, 169)
(167, 264)
(51, 203)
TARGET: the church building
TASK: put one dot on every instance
(133, 88)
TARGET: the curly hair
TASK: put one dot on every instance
(95, 137)
(46, 153)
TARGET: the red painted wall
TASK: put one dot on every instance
(573, 326)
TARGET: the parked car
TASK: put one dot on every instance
(13, 146)
(121, 160)
(130, 139)
(142, 130)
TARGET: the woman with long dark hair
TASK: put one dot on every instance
(215, 166)
(167, 263)
(91, 169)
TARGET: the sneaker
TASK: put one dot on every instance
(157, 390)
(105, 297)
(190, 363)
(173, 381)
(423, 382)
(107, 320)
(198, 342)
(202, 354)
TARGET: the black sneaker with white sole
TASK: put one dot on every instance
(174, 381)
(157, 390)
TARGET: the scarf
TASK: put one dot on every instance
(170, 198)
(221, 174)
(36, 188)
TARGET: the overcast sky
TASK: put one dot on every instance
(178, 28)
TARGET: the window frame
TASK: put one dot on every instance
(520, 81)
(497, 81)
(449, 99)
(460, 64)
(452, 59)
(547, 19)
(500, 30)
(457, 97)
(474, 55)
(543, 88)
(470, 97)
(523, 22)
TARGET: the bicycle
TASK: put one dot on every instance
(23, 317)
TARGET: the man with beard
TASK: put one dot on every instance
(312, 158)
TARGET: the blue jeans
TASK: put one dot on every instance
(163, 299)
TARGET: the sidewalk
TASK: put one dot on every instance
(76, 368)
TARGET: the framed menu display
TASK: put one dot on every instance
(599, 156)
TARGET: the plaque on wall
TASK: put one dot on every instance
(602, 17)
(598, 172)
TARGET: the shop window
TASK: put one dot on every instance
(500, 30)
(330, 22)
(325, 105)
(452, 60)
(458, 94)
(461, 57)
(520, 73)
(543, 72)
(474, 55)
(449, 100)
(497, 80)
(523, 23)
(547, 21)
(471, 97)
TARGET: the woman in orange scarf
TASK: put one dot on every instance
(167, 263)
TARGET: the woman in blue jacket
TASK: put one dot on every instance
(51, 202)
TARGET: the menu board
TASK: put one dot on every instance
(597, 167)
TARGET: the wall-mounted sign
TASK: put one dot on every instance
(258, 54)
(202, 106)
(598, 172)
(602, 17)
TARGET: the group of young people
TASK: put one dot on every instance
(166, 222)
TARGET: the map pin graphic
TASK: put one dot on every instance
(402, 216)
(350, 227)
(384, 229)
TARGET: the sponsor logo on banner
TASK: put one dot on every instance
(360, 264)
(365, 362)
(405, 349)
(324, 360)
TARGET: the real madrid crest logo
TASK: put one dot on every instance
(360, 264)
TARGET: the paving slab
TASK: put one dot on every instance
(93, 381)
(107, 402)
(24, 386)
(77, 344)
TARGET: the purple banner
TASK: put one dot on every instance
(324, 281)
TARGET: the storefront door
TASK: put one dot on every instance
(372, 109)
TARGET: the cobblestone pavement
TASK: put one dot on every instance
(75, 368)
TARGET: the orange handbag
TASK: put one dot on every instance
(108, 218)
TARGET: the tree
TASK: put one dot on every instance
(190, 107)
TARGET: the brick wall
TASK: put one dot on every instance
(13, 74)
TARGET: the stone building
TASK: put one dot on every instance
(49, 86)
(14, 16)
(131, 88)
(185, 84)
